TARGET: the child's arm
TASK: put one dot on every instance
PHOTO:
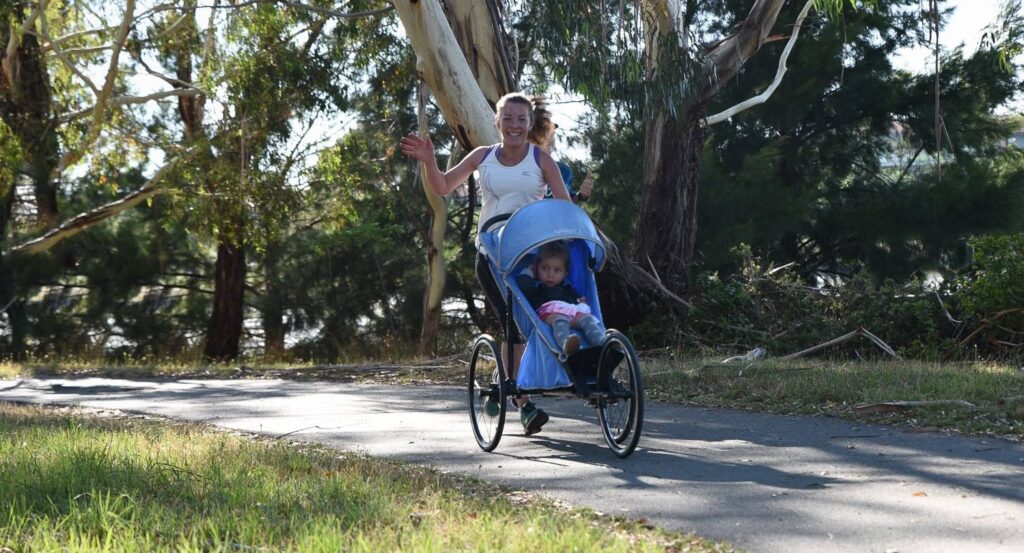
(528, 288)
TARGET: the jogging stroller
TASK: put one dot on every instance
(606, 376)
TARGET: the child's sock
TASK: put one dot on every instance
(569, 342)
(592, 329)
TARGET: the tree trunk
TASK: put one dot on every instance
(9, 301)
(26, 105)
(485, 70)
(490, 52)
(273, 309)
(666, 231)
(225, 330)
(438, 216)
(445, 70)
(667, 221)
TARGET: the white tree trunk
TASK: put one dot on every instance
(491, 54)
(444, 68)
(438, 206)
(445, 50)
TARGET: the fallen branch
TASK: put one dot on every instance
(844, 338)
(890, 406)
(635, 276)
(942, 306)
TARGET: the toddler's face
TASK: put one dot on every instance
(551, 271)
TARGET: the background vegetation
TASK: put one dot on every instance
(832, 207)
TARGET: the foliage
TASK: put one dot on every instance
(834, 174)
(295, 159)
(775, 309)
(990, 295)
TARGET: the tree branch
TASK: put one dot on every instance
(309, 8)
(100, 110)
(26, 27)
(728, 55)
(126, 100)
(780, 73)
(47, 45)
(44, 26)
(85, 220)
(83, 50)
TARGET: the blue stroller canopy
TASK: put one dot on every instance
(544, 221)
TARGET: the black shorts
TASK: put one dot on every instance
(496, 298)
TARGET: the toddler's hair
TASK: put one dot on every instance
(554, 249)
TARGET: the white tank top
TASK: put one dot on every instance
(504, 189)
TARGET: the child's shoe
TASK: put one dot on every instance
(532, 417)
(571, 345)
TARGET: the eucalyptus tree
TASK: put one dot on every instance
(56, 114)
(269, 75)
(672, 59)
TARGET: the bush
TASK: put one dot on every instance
(990, 296)
(777, 310)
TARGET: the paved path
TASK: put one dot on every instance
(763, 482)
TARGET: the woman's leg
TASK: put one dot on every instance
(497, 302)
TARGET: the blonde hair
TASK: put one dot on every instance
(542, 126)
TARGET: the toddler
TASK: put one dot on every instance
(557, 302)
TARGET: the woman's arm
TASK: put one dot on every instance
(442, 183)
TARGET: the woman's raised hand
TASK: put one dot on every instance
(420, 149)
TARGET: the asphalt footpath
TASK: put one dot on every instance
(763, 482)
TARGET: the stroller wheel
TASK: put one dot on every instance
(486, 395)
(621, 409)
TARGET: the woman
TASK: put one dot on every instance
(512, 174)
(542, 134)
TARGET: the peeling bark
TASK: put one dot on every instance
(490, 52)
(447, 73)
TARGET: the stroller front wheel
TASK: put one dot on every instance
(620, 411)
(486, 394)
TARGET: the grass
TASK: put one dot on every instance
(405, 371)
(72, 482)
(853, 389)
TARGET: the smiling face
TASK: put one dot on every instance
(551, 270)
(514, 122)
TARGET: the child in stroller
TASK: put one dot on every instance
(556, 301)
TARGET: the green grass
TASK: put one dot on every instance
(839, 387)
(70, 482)
(401, 371)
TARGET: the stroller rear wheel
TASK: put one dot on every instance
(620, 409)
(486, 395)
